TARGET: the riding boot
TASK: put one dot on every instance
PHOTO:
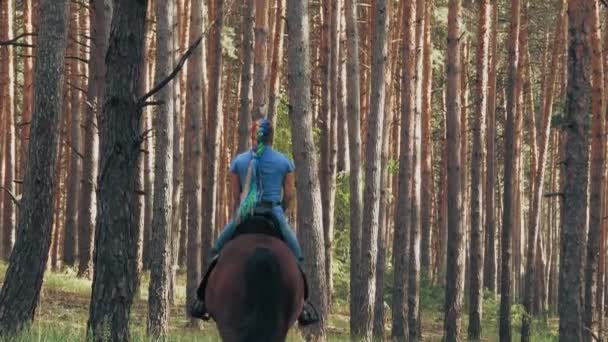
(309, 314)
(198, 308)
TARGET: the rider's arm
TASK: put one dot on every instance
(289, 190)
(235, 184)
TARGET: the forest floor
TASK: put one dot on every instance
(64, 307)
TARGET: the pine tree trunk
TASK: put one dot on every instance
(246, 76)
(310, 226)
(371, 203)
(426, 200)
(277, 62)
(193, 155)
(160, 254)
(455, 253)
(354, 137)
(73, 178)
(115, 279)
(575, 168)
(539, 176)
(597, 173)
(260, 61)
(478, 157)
(7, 111)
(23, 281)
(400, 326)
(510, 174)
(490, 250)
(28, 89)
(214, 128)
(343, 163)
(415, 235)
(149, 45)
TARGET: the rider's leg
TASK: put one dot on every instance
(224, 237)
(288, 234)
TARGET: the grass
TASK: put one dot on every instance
(64, 307)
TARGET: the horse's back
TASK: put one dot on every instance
(254, 273)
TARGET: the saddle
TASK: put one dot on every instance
(262, 221)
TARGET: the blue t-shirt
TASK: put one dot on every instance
(273, 167)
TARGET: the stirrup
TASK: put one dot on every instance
(309, 315)
(198, 310)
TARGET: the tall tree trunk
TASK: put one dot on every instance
(260, 64)
(115, 280)
(414, 251)
(214, 127)
(246, 76)
(575, 168)
(21, 289)
(426, 200)
(539, 176)
(591, 319)
(100, 20)
(371, 203)
(509, 212)
(343, 163)
(490, 251)
(7, 111)
(478, 157)
(455, 256)
(73, 178)
(325, 118)
(193, 154)
(28, 89)
(160, 256)
(310, 225)
(400, 326)
(277, 62)
(354, 138)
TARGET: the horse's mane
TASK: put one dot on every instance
(262, 275)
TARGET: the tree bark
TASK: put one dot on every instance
(214, 128)
(539, 176)
(260, 61)
(160, 256)
(277, 62)
(310, 226)
(490, 258)
(7, 111)
(115, 280)
(575, 176)
(479, 154)
(591, 319)
(509, 212)
(354, 137)
(193, 149)
(28, 89)
(246, 76)
(21, 289)
(455, 245)
(400, 327)
(426, 200)
(73, 176)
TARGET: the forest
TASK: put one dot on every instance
(451, 165)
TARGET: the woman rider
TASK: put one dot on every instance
(263, 177)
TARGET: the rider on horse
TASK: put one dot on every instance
(262, 180)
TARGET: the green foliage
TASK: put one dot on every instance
(341, 251)
(282, 131)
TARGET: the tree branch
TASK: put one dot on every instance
(14, 40)
(554, 194)
(76, 87)
(180, 63)
(15, 200)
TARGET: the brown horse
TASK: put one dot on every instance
(256, 291)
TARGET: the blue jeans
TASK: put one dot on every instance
(286, 231)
